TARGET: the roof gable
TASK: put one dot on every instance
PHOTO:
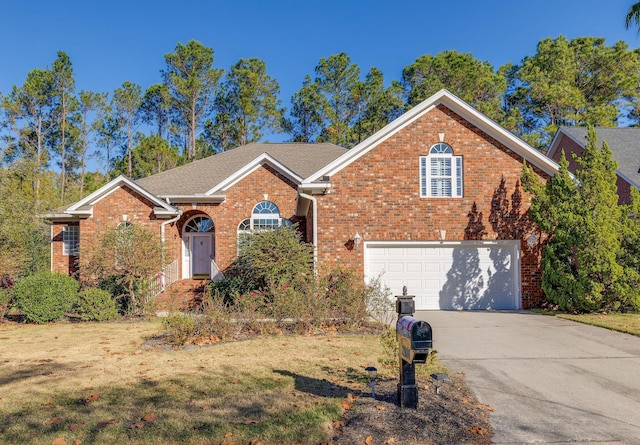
(84, 207)
(262, 160)
(457, 105)
(623, 142)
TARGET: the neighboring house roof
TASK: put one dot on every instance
(623, 142)
(216, 173)
(458, 106)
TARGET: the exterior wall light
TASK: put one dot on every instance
(357, 239)
(443, 234)
(531, 241)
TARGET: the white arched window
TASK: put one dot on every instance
(441, 173)
(265, 216)
(199, 224)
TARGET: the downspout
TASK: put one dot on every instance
(162, 225)
(315, 228)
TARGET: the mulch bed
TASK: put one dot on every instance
(453, 416)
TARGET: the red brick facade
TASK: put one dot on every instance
(243, 196)
(377, 195)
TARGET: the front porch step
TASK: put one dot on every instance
(183, 296)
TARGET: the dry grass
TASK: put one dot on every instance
(94, 383)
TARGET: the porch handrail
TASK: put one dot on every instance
(216, 273)
(162, 280)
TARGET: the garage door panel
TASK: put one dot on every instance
(456, 276)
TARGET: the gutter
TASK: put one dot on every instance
(315, 227)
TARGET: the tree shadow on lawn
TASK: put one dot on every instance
(177, 410)
(325, 388)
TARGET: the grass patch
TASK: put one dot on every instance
(94, 382)
(627, 323)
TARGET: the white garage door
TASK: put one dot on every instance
(449, 275)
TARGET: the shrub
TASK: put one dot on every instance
(230, 287)
(181, 327)
(45, 296)
(5, 301)
(276, 256)
(96, 305)
(346, 296)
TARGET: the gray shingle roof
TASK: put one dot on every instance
(624, 143)
(202, 175)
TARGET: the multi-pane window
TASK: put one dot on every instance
(200, 224)
(441, 173)
(265, 216)
(70, 240)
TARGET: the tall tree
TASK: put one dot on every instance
(151, 155)
(379, 105)
(472, 80)
(64, 87)
(248, 102)
(126, 103)
(90, 104)
(192, 81)
(574, 82)
(307, 116)
(108, 136)
(32, 109)
(633, 16)
(156, 108)
(339, 81)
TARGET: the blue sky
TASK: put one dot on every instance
(110, 42)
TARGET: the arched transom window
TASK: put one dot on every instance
(265, 216)
(441, 173)
(199, 224)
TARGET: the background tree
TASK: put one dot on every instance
(247, 104)
(473, 81)
(126, 103)
(31, 110)
(307, 117)
(576, 82)
(633, 16)
(192, 82)
(90, 104)
(156, 108)
(108, 137)
(339, 81)
(151, 155)
(378, 107)
(64, 87)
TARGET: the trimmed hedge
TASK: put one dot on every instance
(96, 305)
(45, 296)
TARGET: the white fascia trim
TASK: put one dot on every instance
(444, 243)
(317, 187)
(111, 187)
(458, 106)
(264, 158)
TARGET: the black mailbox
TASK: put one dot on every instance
(414, 338)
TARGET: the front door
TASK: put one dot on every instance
(201, 255)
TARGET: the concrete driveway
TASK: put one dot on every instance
(549, 380)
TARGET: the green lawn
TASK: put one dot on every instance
(628, 323)
(95, 383)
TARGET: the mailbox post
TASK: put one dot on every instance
(414, 342)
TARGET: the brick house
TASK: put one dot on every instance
(623, 142)
(432, 201)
